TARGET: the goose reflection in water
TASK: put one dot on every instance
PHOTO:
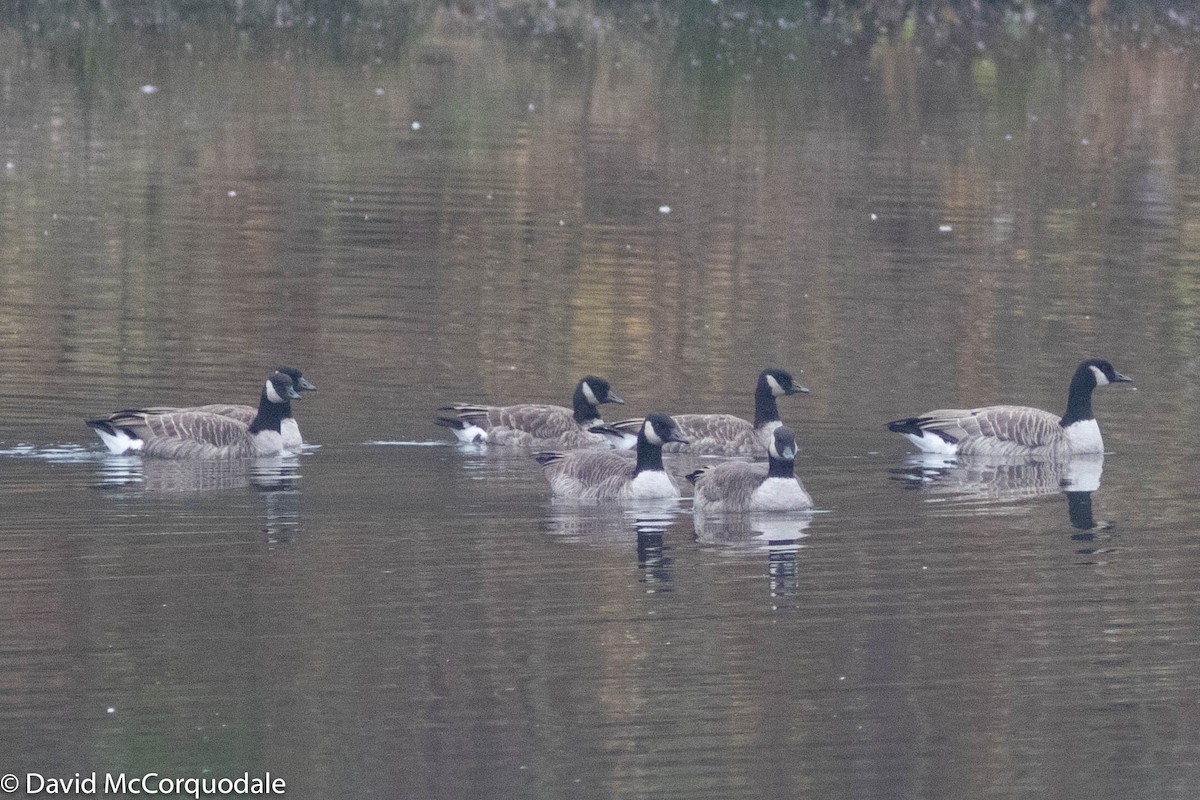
(274, 477)
(979, 485)
(779, 536)
(646, 520)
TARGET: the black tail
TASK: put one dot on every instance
(450, 422)
(910, 425)
(101, 424)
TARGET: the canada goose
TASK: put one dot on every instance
(292, 440)
(532, 424)
(725, 434)
(616, 475)
(200, 434)
(741, 486)
(1017, 430)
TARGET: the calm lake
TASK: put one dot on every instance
(481, 205)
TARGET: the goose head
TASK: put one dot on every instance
(658, 429)
(279, 389)
(596, 391)
(1102, 372)
(779, 382)
(299, 382)
(783, 444)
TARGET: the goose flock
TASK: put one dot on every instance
(587, 459)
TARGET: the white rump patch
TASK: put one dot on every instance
(470, 434)
(589, 394)
(651, 436)
(776, 389)
(1101, 380)
(931, 443)
(273, 395)
(119, 443)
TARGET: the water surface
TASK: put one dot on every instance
(487, 212)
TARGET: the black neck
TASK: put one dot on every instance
(584, 411)
(270, 415)
(765, 408)
(649, 455)
(1079, 400)
(779, 468)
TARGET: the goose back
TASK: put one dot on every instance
(192, 434)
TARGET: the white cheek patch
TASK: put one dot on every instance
(589, 394)
(273, 395)
(789, 454)
(651, 436)
(1101, 380)
(776, 389)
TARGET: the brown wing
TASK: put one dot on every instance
(241, 413)
(994, 427)
(732, 483)
(586, 474)
(211, 429)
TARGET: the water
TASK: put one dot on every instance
(902, 225)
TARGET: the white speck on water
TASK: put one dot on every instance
(416, 125)
(532, 107)
(664, 209)
(924, 568)
(232, 193)
(874, 216)
(379, 90)
(9, 165)
(489, 195)
(945, 228)
(110, 710)
(842, 678)
(149, 89)
(1084, 142)
(562, 222)
(1008, 137)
